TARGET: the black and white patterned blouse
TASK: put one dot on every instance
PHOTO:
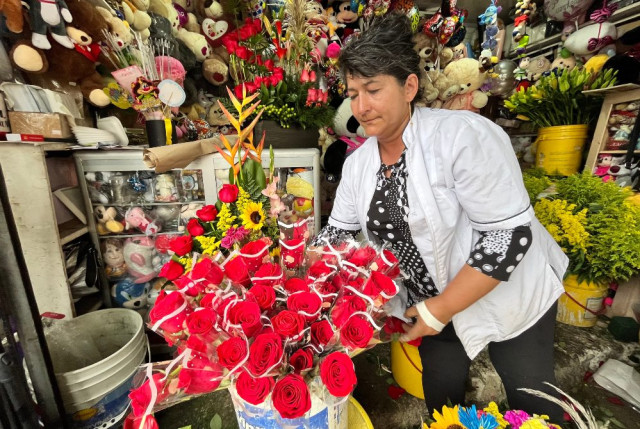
(496, 253)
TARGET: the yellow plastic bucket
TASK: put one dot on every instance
(581, 302)
(358, 418)
(559, 149)
(406, 368)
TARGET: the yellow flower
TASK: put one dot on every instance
(243, 199)
(447, 420)
(253, 216)
(186, 262)
(225, 219)
(275, 252)
(493, 409)
(209, 244)
(534, 423)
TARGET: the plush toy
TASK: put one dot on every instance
(207, 9)
(592, 39)
(79, 64)
(50, 16)
(106, 218)
(165, 187)
(196, 43)
(627, 61)
(165, 8)
(214, 30)
(428, 50)
(427, 78)
(162, 35)
(135, 13)
(564, 61)
(215, 69)
(113, 258)
(446, 87)
(188, 211)
(118, 28)
(215, 117)
(466, 73)
(129, 294)
(537, 67)
(12, 11)
(346, 19)
(135, 217)
(142, 259)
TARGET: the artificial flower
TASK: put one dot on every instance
(493, 409)
(253, 216)
(472, 419)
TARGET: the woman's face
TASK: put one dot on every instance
(381, 104)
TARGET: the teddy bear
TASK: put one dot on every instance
(427, 49)
(161, 35)
(214, 30)
(107, 220)
(567, 63)
(537, 67)
(207, 9)
(196, 43)
(118, 28)
(165, 8)
(70, 65)
(446, 88)
(466, 73)
(12, 12)
(429, 91)
(135, 13)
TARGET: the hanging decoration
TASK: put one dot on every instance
(525, 10)
(489, 19)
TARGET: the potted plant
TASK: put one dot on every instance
(597, 224)
(562, 111)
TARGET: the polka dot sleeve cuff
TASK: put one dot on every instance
(333, 234)
(498, 253)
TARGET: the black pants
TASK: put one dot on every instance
(524, 361)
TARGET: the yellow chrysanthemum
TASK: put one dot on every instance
(493, 409)
(253, 216)
(447, 420)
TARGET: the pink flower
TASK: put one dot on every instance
(516, 418)
(276, 205)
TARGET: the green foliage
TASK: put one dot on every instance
(535, 182)
(588, 191)
(216, 422)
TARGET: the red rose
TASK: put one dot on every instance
(344, 307)
(386, 263)
(301, 360)
(200, 375)
(254, 390)
(288, 323)
(265, 296)
(228, 193)
(338, 374)
(271, 274)
(356, 333)
(292, 252)
(321, 333)
(269, 64)
(291, 396)
(245, 32)
(379, 287)
(295, 284)
(194, 342)
(237, 90)
(171, 270)
(142, 422)
(231, 352)
(166, 304)
(265, 353)
(141, 397)
(363, 256)
(246, 314)
(328, 290)
(393, 325)
(236, 270)
(308, 304)
(253, 253)
(319, 269)
(181, 245)
(207, 300)
(201, 321)
(188, 286)
(207, 213)
(194, 228)
(208, 270)
(243, 52)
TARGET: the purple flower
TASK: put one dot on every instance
(516, 418)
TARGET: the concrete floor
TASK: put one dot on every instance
(577, 350)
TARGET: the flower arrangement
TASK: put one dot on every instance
(557, 98)
(487, 418)
(273, 59)
(596, 224)
(276, 333)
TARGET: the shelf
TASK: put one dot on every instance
(612, 90)
(617, 151)
(88, 303)
(138, 235)
(70, 230)
(621, 15)
(94, 204)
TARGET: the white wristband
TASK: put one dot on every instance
(429, 318)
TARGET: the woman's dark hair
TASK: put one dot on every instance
(385, 48)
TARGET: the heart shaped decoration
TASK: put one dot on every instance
(214, 29)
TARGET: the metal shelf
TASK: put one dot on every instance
(101, 237)
(70, 230)
(94, 204)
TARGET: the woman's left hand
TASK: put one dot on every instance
(420, 328)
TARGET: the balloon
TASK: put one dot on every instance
(502, 80)
(566, 10)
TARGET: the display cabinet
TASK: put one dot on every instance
(134, 212)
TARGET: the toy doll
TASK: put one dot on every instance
(113, 258)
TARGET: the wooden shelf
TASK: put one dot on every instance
(101, 237)
(71, 230)
(612, 90)
(617, 151)
(94, 204)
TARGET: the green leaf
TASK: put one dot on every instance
(216, 422)
(185, 427)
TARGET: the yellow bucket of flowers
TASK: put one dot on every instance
(406, 368)
(581, 303)
(559, 148)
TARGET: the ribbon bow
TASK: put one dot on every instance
(597, 43)
(603, 14)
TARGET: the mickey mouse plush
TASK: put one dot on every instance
(346, 18)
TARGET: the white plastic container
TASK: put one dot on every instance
(95, 357)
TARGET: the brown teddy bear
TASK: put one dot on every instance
(427, 49)
(70, 65)
(12, 11)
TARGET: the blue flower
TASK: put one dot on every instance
(471, 419)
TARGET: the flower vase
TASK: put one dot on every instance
(559, 148)
(286, 138)
(581, 302)
(326, 411)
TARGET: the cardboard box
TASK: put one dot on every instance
(49, 125)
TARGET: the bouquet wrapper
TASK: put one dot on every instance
(620, 379)
(165, 158)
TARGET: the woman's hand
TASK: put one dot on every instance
(420, 328)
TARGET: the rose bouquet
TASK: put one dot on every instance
(246, 322)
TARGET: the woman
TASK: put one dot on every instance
(444, 190)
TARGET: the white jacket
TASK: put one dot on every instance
(463, 177)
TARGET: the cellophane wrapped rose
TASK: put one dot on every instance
(245, 321)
